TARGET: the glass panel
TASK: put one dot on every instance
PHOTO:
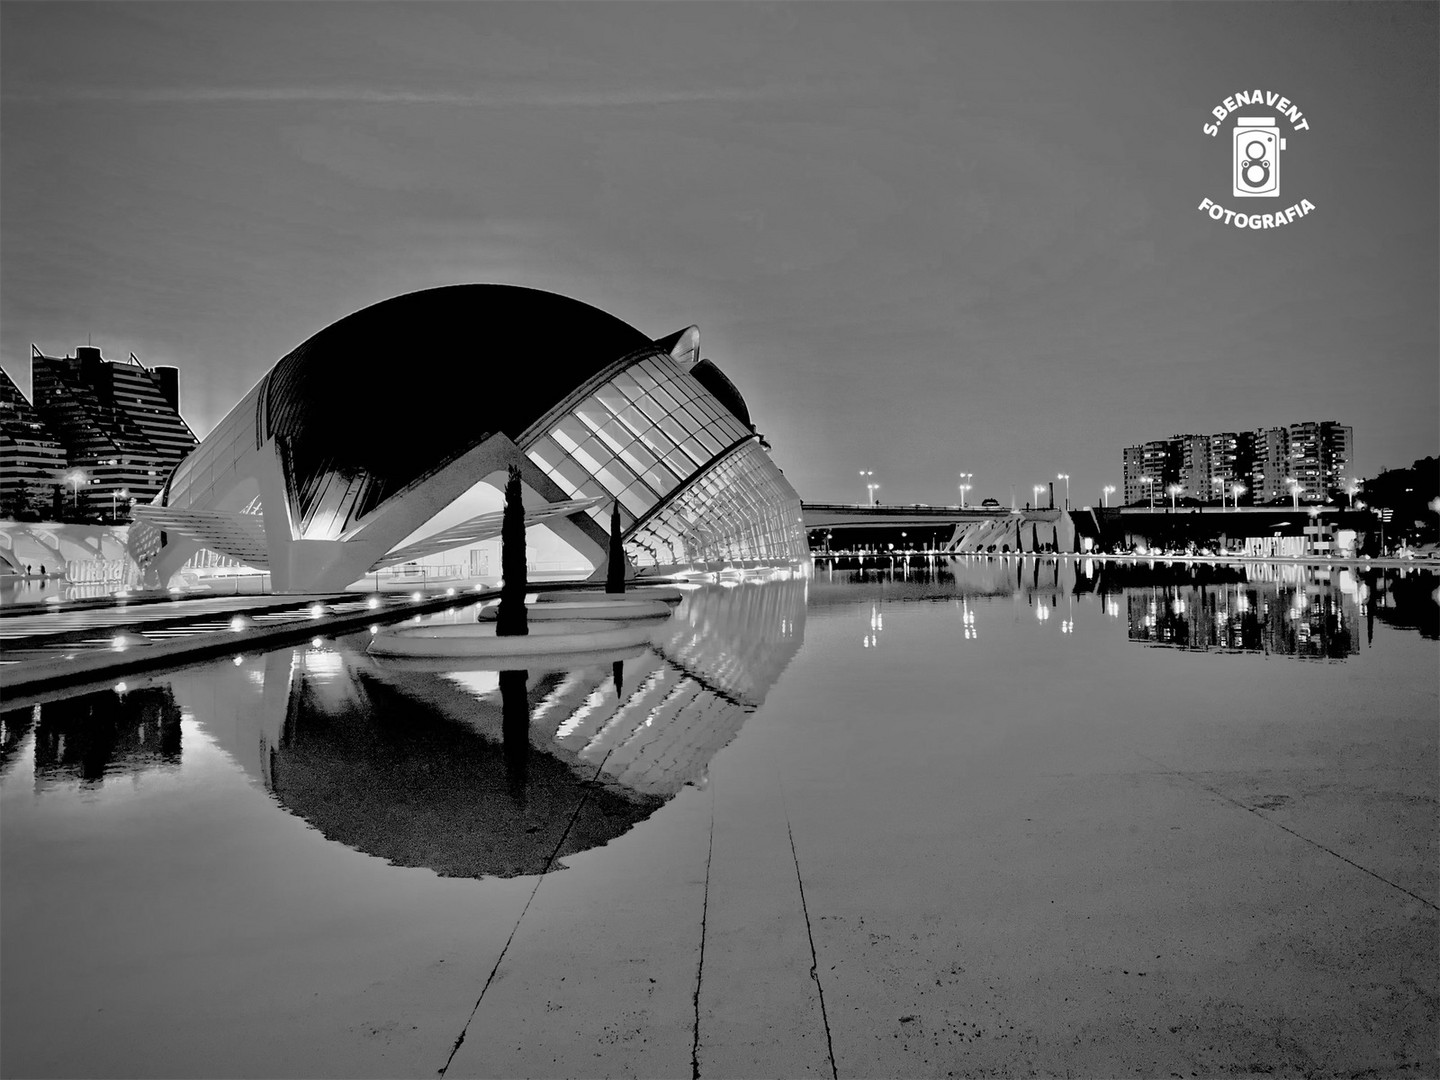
(570, 476)
(681, 464)
(627, 386)
(545, 453)
(674, 428)
(635, 420)
(661, 479)
(570, 432)
(709, 441)
(611, 398)
(593, 413)
(659, 442)
(607, 476)
(638, 456)
(637, 499)
(651, 408)
(616, 435)
(590, 455)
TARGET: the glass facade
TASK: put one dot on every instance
(647, 433)
(742, 509)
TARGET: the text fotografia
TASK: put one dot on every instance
(1257, 141)
(1257, 221)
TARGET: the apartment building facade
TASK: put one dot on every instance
(119, 423)
(1310, 459)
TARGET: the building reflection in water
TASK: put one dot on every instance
(1309, 619)
(1289, 609)
(97, 736)
(476, 773)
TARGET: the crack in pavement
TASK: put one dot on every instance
(700, 968)
(549, 863)
(1279, 825)
(814, 959)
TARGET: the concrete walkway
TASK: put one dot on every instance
(1077, 900)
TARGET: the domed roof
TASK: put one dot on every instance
(398, 388)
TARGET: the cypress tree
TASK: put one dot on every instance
(511, 621)
(615, 571)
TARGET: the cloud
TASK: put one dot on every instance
(495, 97)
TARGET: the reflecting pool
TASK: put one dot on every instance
(977, 816)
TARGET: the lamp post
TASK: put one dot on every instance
(1237, 490)
(1219, 482)
(863, 474)
(1066, 477)
(76, 478)
(1105, 493)
(1174, 489)
(1150, 482)
(1037, 489)
(965, 485)
(124, 493)
(872, 488)
(1294, 490)
(1353, 487)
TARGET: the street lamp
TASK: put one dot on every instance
(1150, 481)
(1174, 489)
(1066, 477)
(864, 473)
(1237, 490)
(1294, 490)
(1351, 490)
(1037, 489)
(963, 488)
(76, 478)
(872, 488)
(1105, 493)
(1219, 482)
(965, 485)
(124, 493)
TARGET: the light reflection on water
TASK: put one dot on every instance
(278, 789)
(470, 773)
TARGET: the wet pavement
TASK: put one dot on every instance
(1019, 817)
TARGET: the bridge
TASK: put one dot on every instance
(846, 527)
(843, 527)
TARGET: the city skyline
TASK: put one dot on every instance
(927, 240)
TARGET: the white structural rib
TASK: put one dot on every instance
(481, 527)
(227, 532)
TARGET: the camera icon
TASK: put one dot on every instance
(1256, 166)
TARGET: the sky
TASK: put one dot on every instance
(922, 239)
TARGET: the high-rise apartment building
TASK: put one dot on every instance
(1271, 465)
(1152, 467)
(32, 461)
(1320, 458)
(1195, 466)
(1134, 470)
(1257, 466)
(119, 422)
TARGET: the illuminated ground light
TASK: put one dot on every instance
(317, 642)
(238, 623)
(120, 688)
(118, 643)
(238, 660)
(417, 596)
(317, 610)
(374, 628)
(450, 592)
(373, 603)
